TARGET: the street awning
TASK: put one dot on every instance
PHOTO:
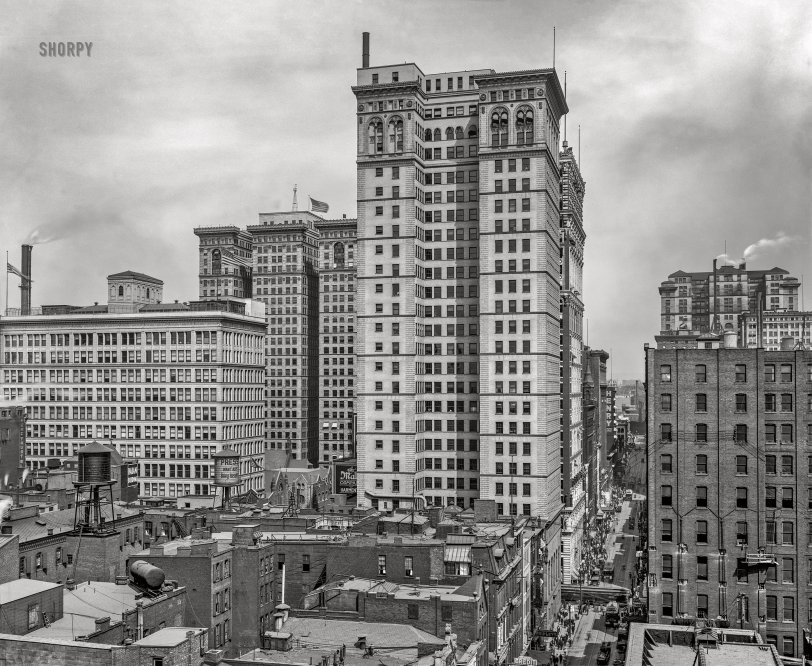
(457, 553)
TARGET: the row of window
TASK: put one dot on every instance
(772, 402)
(741, 532)
(783, 372)
(773, 432)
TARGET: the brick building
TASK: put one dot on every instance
(252, 594)
(51, 549)
(12, 444)
(463, 608)
(175, 646)
(730, 458)
(9, 557)
(204, 567)
(27, 605)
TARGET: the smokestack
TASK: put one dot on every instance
(25, 286)
(365, 51)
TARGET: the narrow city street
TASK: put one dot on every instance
(622, 544)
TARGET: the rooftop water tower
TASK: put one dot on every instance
(226, 472)
(94, 489)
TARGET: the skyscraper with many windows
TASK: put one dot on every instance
(459, 289)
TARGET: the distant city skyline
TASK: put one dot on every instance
(694, 132)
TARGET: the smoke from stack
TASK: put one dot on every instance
(780, 240)
(726, 260)
(25, 286)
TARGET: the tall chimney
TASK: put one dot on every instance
(25, 285)
(365, 51)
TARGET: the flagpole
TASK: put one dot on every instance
(6, 310)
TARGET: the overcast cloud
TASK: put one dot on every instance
(696, 129)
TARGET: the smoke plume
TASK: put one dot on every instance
(756, 248)
(725, 260)
(42, 235)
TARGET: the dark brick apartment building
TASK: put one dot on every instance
(730, 488)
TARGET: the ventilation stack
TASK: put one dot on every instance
(365, 51)
(25, 284)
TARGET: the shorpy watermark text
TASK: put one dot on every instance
(65, 49)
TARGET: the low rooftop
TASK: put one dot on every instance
(37, 526)
(675, 645)
(84, 605)
(170, 548)
(312, 638)
(168, 637)
(22, 588)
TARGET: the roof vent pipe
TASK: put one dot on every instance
(365, 51)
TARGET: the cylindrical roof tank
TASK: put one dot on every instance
(147, 574)
(226, 468)
(94, 464)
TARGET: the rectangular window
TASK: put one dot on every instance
(668, 567)
(668, 604)
(787, 533)
(741, 464)
(702, 567)
(665, 402)
(701, 432)
(741, 372)
(702, 605)
(741, 402)
(769, 373)
(381, 565)
(701, 402)
(665, 463)
(666, 529)
(701, 371)
(665, 495)
(789, 610)
(665, 432)
(702, 496)
(665, 373)
(772, 608)
(702, 531)
(787, 570)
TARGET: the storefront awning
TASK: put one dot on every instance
(457, 553)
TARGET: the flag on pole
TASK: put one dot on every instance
(11, 269)
(318, 206)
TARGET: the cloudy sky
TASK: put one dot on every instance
(696, 129)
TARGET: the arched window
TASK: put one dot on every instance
(121, 290)
(428, 135)
(472, 132)
(499, 127)
(449, 133)
(458, 133)
(215, 262)
(437, 135)
(396, 135)
(375, 136)
(524, 126)
(338, 255)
